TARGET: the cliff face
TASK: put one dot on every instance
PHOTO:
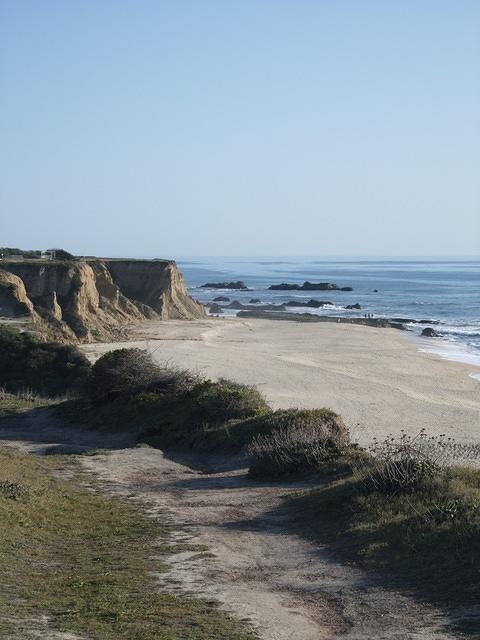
(157, 284)
(94, 299)
(14, 301)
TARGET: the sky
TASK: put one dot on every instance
(252, 127)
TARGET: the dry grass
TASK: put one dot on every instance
(297, 442)
(13, 403)
(410, 512)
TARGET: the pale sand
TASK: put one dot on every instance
(375, 378)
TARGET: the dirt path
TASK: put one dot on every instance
(288, 588)
(257, 568)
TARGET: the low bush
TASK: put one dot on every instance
(227, 400)
(172, 407)
(209, 416)
(130, 371)
(297, 442)
(406, 463)
(121, 370)
(48, 369)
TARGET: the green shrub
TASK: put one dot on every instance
(227, 400)
(296, 442)
(129, 371)
(49, 369)
(206, 416)
(119, 370)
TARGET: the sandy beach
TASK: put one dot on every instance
(375, 378)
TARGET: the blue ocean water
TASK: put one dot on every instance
(446, 290)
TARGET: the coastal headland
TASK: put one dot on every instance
(89, 299)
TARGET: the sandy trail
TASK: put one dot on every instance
(257, 567)
(375, 378)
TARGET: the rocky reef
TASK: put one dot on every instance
(256, 305)
(239, 284)
(309, 286)
(93, 299)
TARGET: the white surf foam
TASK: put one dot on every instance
(453, 351)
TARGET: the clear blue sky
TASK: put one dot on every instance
(248, 127)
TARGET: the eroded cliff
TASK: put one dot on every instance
(95, 299)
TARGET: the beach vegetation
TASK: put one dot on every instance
(409, 511)
(120, 371)
(296, 442)
(129, 372)
(13, 403)
(46, 368)
(176, 409)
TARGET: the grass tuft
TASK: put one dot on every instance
(410, 513)
(298, 442)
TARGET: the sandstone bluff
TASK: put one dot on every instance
(85, 300)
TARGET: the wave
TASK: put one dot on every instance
(318, 310)
(461, 332)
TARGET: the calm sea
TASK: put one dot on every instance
(446, 290)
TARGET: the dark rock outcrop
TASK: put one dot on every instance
(428, 332)
(310, 317)
(308, 286)
(313, 304)
(284, 287)
(255, 301)
(215, 308)
(353, 306)
(221, 299)
(254, 307)
(225, 285)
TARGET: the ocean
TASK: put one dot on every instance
(442, 290)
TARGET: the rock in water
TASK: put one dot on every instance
(215, 308)
(225, 285)
(313, 304)
(308, 286)
(428, 332)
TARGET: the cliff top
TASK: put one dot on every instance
(49, 261)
